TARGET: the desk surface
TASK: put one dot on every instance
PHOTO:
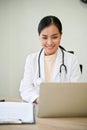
(51, 124)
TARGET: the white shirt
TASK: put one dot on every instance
(29, 89)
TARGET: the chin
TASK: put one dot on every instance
(50, 51)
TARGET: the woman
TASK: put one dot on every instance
(51, 64)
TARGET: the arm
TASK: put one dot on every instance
(28, 91)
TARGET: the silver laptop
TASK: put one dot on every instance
(62, 100)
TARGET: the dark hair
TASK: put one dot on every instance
(47, 21)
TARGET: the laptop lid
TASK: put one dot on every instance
(62, 100)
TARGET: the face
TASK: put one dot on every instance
(50, 39)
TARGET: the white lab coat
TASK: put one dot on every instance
(29, 89)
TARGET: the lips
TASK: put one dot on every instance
(50, 47)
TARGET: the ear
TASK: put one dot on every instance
(61, 35)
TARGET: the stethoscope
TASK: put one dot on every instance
(62, 66)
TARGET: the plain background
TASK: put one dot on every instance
(19, 37)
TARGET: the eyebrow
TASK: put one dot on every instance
(51, 35)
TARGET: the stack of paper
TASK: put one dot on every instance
(16, 112)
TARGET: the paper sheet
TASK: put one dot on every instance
(20, 112)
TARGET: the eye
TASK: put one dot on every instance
(44, 38)
(55, 37)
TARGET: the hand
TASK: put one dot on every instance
(36, 101)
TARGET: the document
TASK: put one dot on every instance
(17, 112)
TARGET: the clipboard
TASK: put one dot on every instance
(17, 113)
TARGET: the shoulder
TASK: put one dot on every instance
(69, 55)
(32, 57)
(71, 59)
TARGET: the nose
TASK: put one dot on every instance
(49, 41)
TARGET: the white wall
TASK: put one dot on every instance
(18, 35)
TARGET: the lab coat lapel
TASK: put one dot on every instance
(42, 65)
(58, 62)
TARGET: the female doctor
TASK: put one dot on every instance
(50, 64)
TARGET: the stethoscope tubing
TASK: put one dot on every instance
(39, 63)
(62, 65)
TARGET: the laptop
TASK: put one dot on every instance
(62, 100)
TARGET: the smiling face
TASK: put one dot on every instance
(50, 39)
